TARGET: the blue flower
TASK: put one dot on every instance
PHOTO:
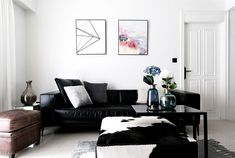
(152, 70)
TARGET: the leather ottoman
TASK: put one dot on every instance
(19, 129)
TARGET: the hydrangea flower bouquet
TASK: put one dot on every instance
(150, 72)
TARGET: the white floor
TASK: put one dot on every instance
(222, 131)
(62, 145)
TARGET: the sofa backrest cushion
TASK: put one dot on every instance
(122, 96)
(61, 83)
(190, 99)
(97, 92)
(115, 97)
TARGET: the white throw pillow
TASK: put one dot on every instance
(78, 95)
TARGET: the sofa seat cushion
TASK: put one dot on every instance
(13, 120)
(94, 112)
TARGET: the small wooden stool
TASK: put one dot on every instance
(18, 130)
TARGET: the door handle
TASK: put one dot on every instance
(185, 71)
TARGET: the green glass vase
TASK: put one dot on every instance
(168, 100)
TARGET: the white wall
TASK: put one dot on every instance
(51, 40)
(27, 4)
(230, 4)
(20, 50)
(231, 107)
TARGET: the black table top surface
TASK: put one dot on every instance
(179, 109)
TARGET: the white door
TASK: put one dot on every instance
(204, 58)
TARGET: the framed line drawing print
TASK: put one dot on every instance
(132, 37)
(90, 36)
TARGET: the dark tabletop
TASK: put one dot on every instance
(179, 109)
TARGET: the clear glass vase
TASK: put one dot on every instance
(168, 100)
(28, 96)
(153, 98)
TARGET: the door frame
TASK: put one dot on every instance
(216, 17)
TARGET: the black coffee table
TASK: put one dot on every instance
(179, 111)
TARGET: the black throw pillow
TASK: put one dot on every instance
(97, 92)
(61, 83)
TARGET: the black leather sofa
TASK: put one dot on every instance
(53, 111)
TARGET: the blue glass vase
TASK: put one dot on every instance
(168, 100)
(153, 98)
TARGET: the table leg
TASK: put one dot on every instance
(194, 132)
(42, 131)
(194, 128)
(205, 135)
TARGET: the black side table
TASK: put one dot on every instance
(35, 106)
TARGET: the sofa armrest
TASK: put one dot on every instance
(187, 98)
(48, 102)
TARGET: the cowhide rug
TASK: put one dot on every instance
(86, 149)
